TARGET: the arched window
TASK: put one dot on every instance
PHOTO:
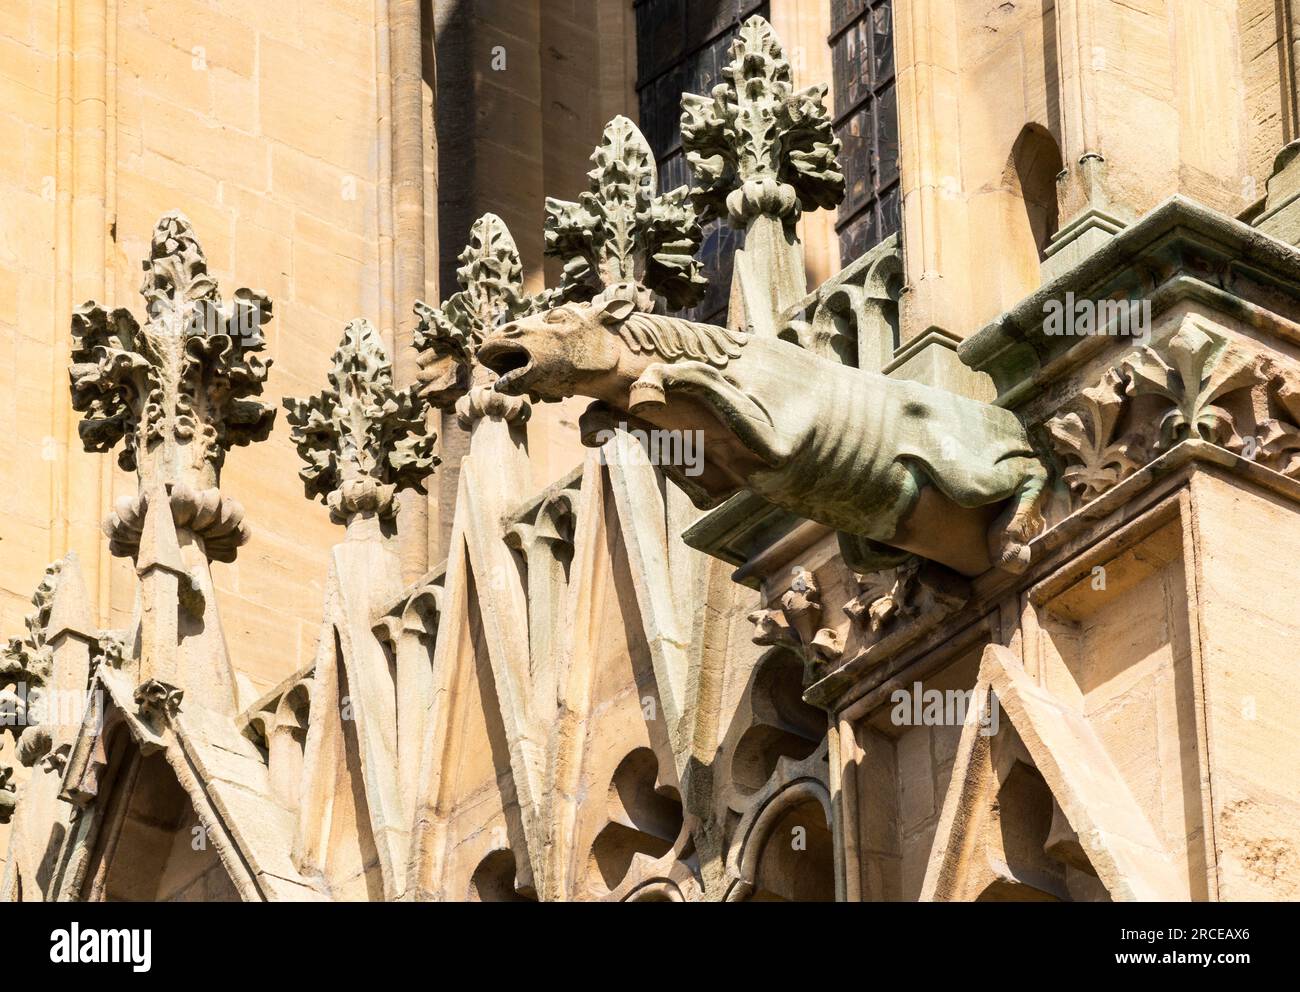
(681, 46)
(866, 121)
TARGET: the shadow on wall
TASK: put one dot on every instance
(1031, 175)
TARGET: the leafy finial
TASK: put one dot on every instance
(27, 665)
(620, 235)
(362, 439)
(178, 389)
(492, 293)
(755, 145)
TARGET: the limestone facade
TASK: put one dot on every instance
(459, 559)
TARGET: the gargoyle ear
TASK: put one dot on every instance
(616, 310)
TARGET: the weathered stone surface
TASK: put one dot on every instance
(448, 337)
(622, 232)
(912, 451)
(571, 706)
(755, 144)
(177, 388)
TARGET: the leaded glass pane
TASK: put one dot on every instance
(883, 42)
(859, 235)
(856, 137)
(851, 65)
(683, 46)
(866, 107)
(845, 11)
(886, 166)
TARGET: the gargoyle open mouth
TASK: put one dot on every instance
(511, 362)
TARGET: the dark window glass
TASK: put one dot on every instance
(682, 47)
(845, 11)
(866, 121)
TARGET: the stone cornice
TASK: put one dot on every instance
(1179, 250)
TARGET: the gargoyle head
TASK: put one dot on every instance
(559, 353)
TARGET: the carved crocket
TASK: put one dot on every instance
(896, 467)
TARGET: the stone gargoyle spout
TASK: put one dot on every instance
(896, 467)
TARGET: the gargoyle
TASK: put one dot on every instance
(896, 467)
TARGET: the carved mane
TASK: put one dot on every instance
(674, 339)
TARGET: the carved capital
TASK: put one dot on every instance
(755, 145)
(620, 237)
(362, 439)
(179, 389)
(216, 519)
(484, 401)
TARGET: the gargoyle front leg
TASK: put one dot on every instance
(1022, 520)
(737, 411)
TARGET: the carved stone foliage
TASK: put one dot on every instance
(756, 145)
(8, 794)
(157, 700)
(491, 278)
(620, 235)
(797, 624)
(1197, 385)
(26, 665)
(1191, 374)
(362, 439)
(1085, 437)
(890, 599)
(179, 389)
(111, 650)
(1279, 436)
